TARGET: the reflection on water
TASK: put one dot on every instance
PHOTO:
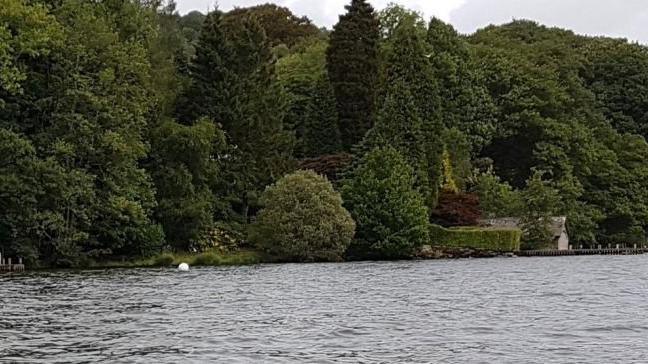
(545, 310)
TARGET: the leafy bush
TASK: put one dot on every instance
(391, 215)
(457, 209)
(497, 198)
(303, 220)
(501, 240)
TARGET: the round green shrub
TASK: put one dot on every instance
(303, 220)
(391, 214)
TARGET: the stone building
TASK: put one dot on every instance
(558, 228)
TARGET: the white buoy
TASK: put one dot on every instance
(183, 267)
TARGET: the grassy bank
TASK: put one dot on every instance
(210, 258)
(454, 241)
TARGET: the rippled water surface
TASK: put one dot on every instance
(524, 310)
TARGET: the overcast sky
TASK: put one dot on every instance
(617, 18)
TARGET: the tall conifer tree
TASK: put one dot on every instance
(209, 74)
(400, 126)
(411, 87)
(352, 63)
(234, 84)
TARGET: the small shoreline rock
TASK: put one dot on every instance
(428, 252)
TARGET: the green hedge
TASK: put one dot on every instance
(501, 240)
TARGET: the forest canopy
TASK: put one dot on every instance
(127, 129)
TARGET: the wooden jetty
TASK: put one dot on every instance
(6, 265)
(557, 253)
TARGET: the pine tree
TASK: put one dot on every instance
(352, 63)
(234, 84)
(209, 75)
(408, 74)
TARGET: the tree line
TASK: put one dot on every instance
(127, 129)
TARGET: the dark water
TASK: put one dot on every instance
(524, 310)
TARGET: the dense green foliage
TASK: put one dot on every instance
(303, 220)
(390, 213)
(552, 117)
(496, 240)
(79, 107)
(96, 167)
(497, 198)
(184, 174)
(312, 111)
(127, 129)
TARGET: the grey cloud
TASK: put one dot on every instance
(203, 5)
(325, 12)
(625, 19)
(322, 12)
(616, 18)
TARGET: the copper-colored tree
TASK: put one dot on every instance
(456, 209)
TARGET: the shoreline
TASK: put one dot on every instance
(252, 257)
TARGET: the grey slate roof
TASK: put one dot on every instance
(558, 225)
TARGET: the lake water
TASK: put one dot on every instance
(516, 310)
